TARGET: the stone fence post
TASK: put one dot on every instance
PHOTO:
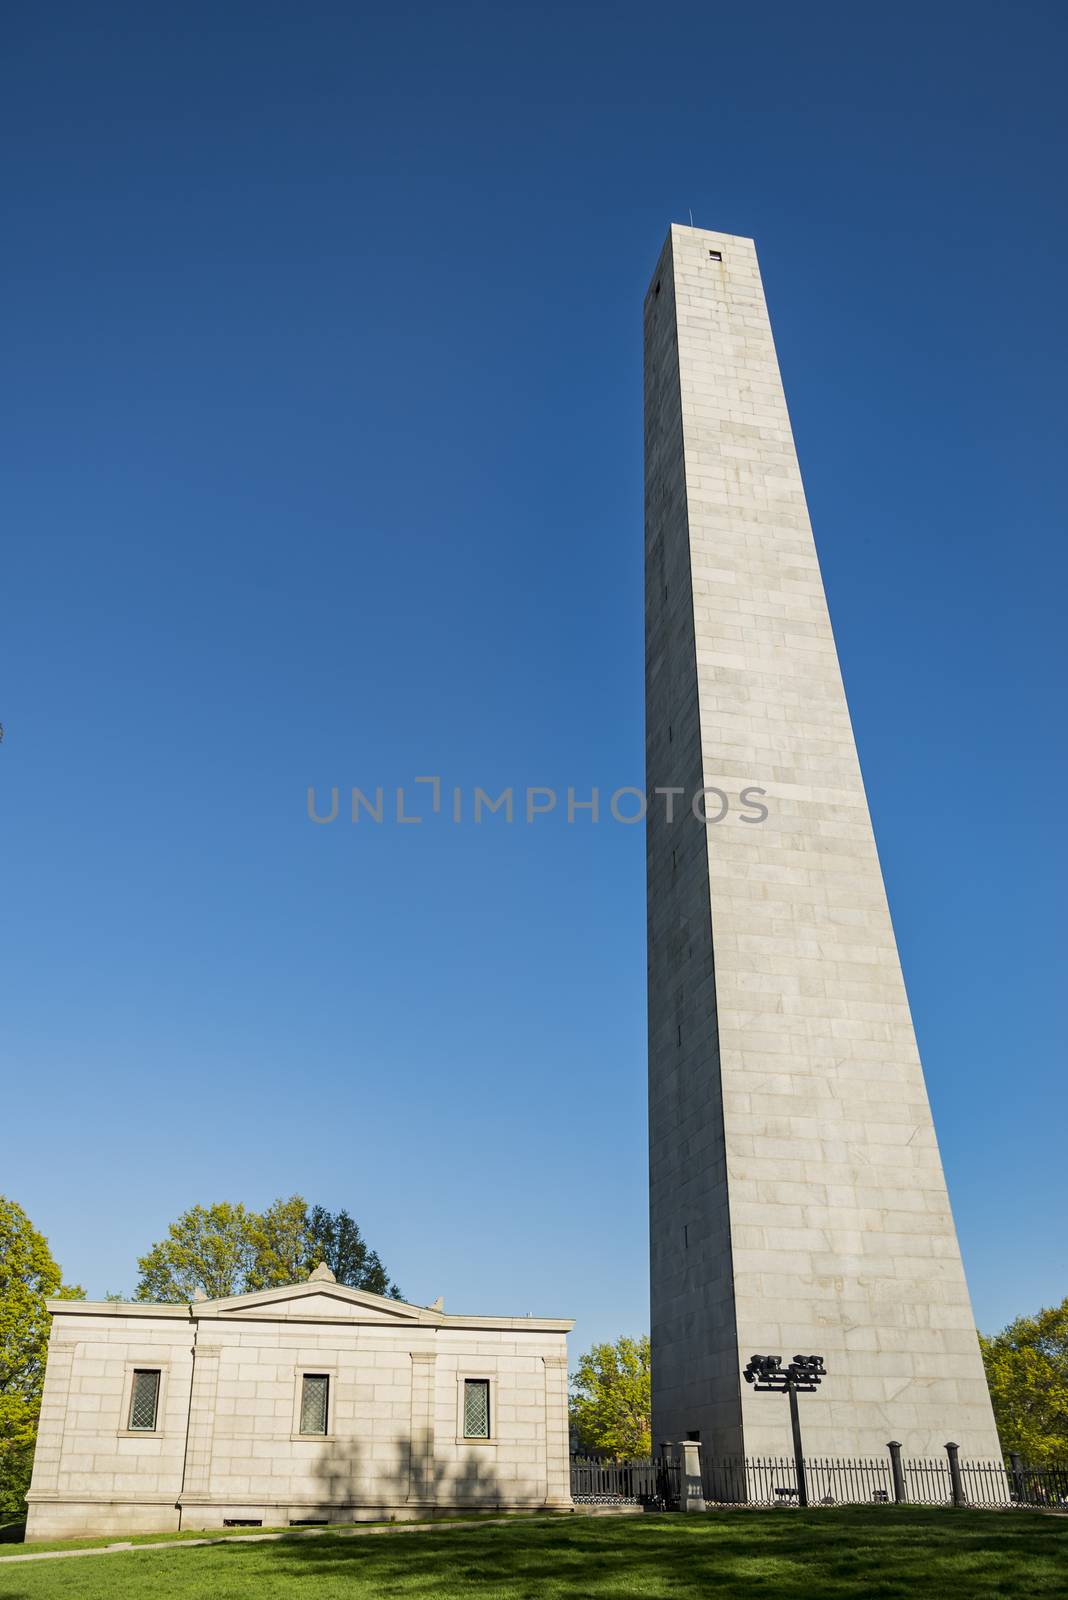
(691, 1489)
(955, 1479)
(896, 1472)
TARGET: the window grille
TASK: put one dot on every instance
(144, 1401)
(476, 1408)
(314, 1400)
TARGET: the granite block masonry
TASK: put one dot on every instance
(797, 1201)
(312, 1403)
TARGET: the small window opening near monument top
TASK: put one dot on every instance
(716, 255)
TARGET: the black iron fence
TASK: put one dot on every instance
(1037, 1486)
(772, 1481)
(878, 1480)
(930, 1482)
(648, 1481)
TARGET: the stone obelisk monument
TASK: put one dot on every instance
(798, 1204)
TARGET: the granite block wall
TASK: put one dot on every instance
(798, 1203)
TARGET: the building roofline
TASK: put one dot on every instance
(259, 1308)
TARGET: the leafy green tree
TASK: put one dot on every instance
(28, 1277)
(209, 1251)
(610, 1399)
(280, 1244)
(335, 1238)
(1027, 1371)
(221, 1250)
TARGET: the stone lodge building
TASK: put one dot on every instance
(312, 1403)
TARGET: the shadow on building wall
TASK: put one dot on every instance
(409, 1479)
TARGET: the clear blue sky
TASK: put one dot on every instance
(323, 465)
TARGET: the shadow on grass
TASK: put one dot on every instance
(12, 1532)
(861, 1554)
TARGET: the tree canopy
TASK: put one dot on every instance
(1027, 1371)
(28, 1277)
(610, 1399)
(334, 1237)
(224, 1249)
(207, 1251)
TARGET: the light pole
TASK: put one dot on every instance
(803, 1376)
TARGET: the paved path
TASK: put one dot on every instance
(442, 1523)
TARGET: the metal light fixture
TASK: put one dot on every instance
(803, 1376)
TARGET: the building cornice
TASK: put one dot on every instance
(243, 1309)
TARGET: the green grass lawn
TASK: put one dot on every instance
(848, 1554)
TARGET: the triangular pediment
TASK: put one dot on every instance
(317, 1301)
